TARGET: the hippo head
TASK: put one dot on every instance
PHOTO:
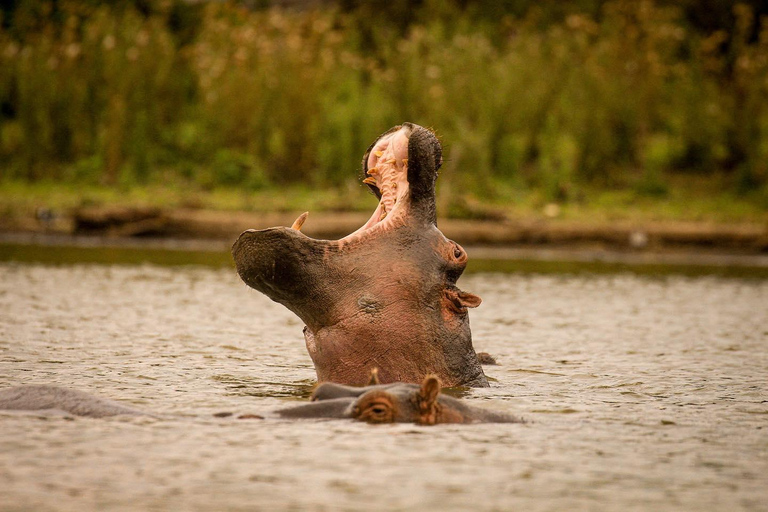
(384, 296)
(393, 403)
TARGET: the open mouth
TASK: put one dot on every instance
(386, 173)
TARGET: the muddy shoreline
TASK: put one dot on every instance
(621, 242)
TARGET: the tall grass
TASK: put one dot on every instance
(109, 95)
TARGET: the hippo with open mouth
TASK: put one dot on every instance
(384, 296)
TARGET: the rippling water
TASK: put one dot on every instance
(641, 394)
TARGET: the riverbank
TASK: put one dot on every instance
(694, 224)
(184, 223)
(203, 237)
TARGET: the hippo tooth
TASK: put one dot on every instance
(378, 153)
(370, 180)
(300, 221)
(405, 161)
(372, 170)
(373, 380)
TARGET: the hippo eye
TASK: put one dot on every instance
(377, 411)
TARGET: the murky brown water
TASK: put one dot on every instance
(642, 394)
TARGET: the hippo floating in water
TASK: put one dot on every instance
(377, 403)
(57, 400)
(393, 403)
(384, 296)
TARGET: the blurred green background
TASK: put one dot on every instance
(657, 108)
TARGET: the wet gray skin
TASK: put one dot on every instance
(387, 403)
(57, 400)
(384, 296)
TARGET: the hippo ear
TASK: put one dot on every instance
(428, 407)
(469, 300)
(458, 301)
(430, 388)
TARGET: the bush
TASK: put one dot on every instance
(621, 93)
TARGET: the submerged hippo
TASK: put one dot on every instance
(378, 403)
(57, 400)
(384, 296)
(393, 403)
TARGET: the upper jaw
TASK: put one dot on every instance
(400, 168)
(386, 168)
(393, 144)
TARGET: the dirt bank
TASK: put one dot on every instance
(221, 225)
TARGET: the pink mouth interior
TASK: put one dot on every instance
(388, 171)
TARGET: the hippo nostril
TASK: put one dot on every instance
(458, 253)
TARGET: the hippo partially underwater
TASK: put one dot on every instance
(384, 296)
(393, 403)
(375, 403)
(380, 305)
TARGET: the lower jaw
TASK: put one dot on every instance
(381, 219)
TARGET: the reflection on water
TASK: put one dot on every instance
(641, 394)
(245, 386)
(59, 250)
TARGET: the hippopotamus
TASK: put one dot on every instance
(58, 400)
(384, 296)
(397, 402)
(376, 403)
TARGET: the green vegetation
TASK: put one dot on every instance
(688, 199)
(621, 103)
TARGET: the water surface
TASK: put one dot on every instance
(642, 393)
